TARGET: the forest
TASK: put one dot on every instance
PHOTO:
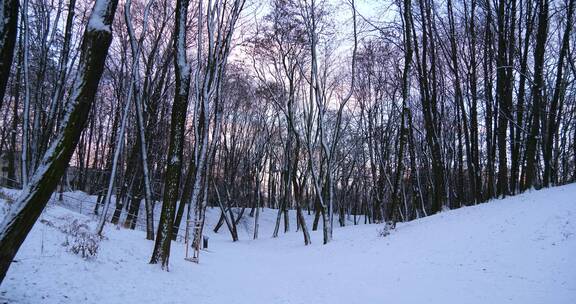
(381, 112)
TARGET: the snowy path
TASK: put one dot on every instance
(517, 250)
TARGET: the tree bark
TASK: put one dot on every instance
(556, 104)
(541, 36)
(161, 251)
(8, 30)
(27, 208)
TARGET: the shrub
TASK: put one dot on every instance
(80, 240)
(385, 231)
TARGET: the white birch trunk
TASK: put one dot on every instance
(26, 114)
(136, 86)
(220, 23)
(117, 151)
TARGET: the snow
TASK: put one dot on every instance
(96, 21)
(516, 250)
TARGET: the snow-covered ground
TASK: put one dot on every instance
(517, 250)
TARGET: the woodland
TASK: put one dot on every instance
(379, 111)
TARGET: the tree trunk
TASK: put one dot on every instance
(517, 180)
(556, 104)
(27, 208)
(161, 251)
(538, 86)
(489, 101)
(403, 133)
(8, 30)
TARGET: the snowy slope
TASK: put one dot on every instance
(517, 250)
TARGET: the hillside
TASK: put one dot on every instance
(516, 250)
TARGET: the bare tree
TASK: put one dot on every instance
(161, 251)
(26, 209)
(8, 30)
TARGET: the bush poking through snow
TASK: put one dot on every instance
(83, 242)
(80, 240)
(85, 245)
(9, 200)
(385, 231)
(4, 208)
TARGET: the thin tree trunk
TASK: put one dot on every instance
(12, 178)
(556, 104)
(26, 113)
(110, 189)
(8, 33)
(402, 136)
